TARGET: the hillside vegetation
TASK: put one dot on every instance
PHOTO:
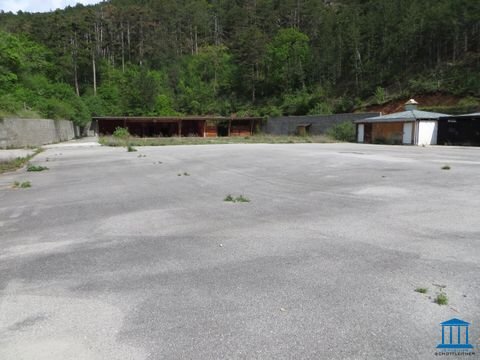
(256, 57)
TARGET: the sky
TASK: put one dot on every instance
(40, 5)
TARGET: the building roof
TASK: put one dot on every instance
(172, 118)
(403, 116)
(455, 322)
(470, 115)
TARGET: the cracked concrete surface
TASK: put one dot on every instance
(113, 256)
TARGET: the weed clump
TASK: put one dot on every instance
(22, 185)
(421, 290)
(239, 198)
(31, 167)
(441, 299)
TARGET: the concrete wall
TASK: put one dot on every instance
(17, 133)
(287, 125)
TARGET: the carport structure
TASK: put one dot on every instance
(167, 126)
(459, 130)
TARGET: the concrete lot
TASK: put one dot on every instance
(114, 256)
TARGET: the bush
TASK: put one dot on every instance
(344, 131)
(121, 133)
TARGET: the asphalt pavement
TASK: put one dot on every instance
(136, 255)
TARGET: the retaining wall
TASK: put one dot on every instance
(18, 133)
(287, 125)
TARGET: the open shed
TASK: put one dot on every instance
(162, 126)
(459, 130)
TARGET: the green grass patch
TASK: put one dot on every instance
(421, 290)
(441, 299)
(240, 198)
(14, 164)
(446, 167)
(31, 167)
(22, 185)
(130, 148)
(255, 139)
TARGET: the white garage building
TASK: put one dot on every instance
(409, 127)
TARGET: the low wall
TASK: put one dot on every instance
(17, 133)
(287, 125)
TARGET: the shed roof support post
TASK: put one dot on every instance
(229, 126)
(180, 128)
(251, 127)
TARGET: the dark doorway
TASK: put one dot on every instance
(459, 131)
(367, 135)
(222, 128)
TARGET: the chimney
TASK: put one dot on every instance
(411, 105)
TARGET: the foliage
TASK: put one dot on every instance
(441, 299)
(240, 198)
(14, 164)
(31, 167)
(421, 290)
(130, 57)
(22, 185)
(121, 133)
(344, 131)
(380, 95)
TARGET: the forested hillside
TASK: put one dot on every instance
(163, 57)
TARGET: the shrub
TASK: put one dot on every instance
(441, 299)
(380, 95)
(344, 131)
(121, 133)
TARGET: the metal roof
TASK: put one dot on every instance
(403, 116)
(470, 115)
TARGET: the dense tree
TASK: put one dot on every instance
(221, 56)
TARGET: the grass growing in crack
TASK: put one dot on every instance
(14, 164)
(130, 148)
(229, 198)
(31, 167)
(441, 299)
(446, 167)
(186, 174)
(421, 290)
(23, 185)
(239, 198)
(242, 198)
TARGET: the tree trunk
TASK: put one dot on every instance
(74, 59)
(123, 49)
(94, 73)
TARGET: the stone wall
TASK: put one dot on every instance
(18, 133)
(287, 125)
